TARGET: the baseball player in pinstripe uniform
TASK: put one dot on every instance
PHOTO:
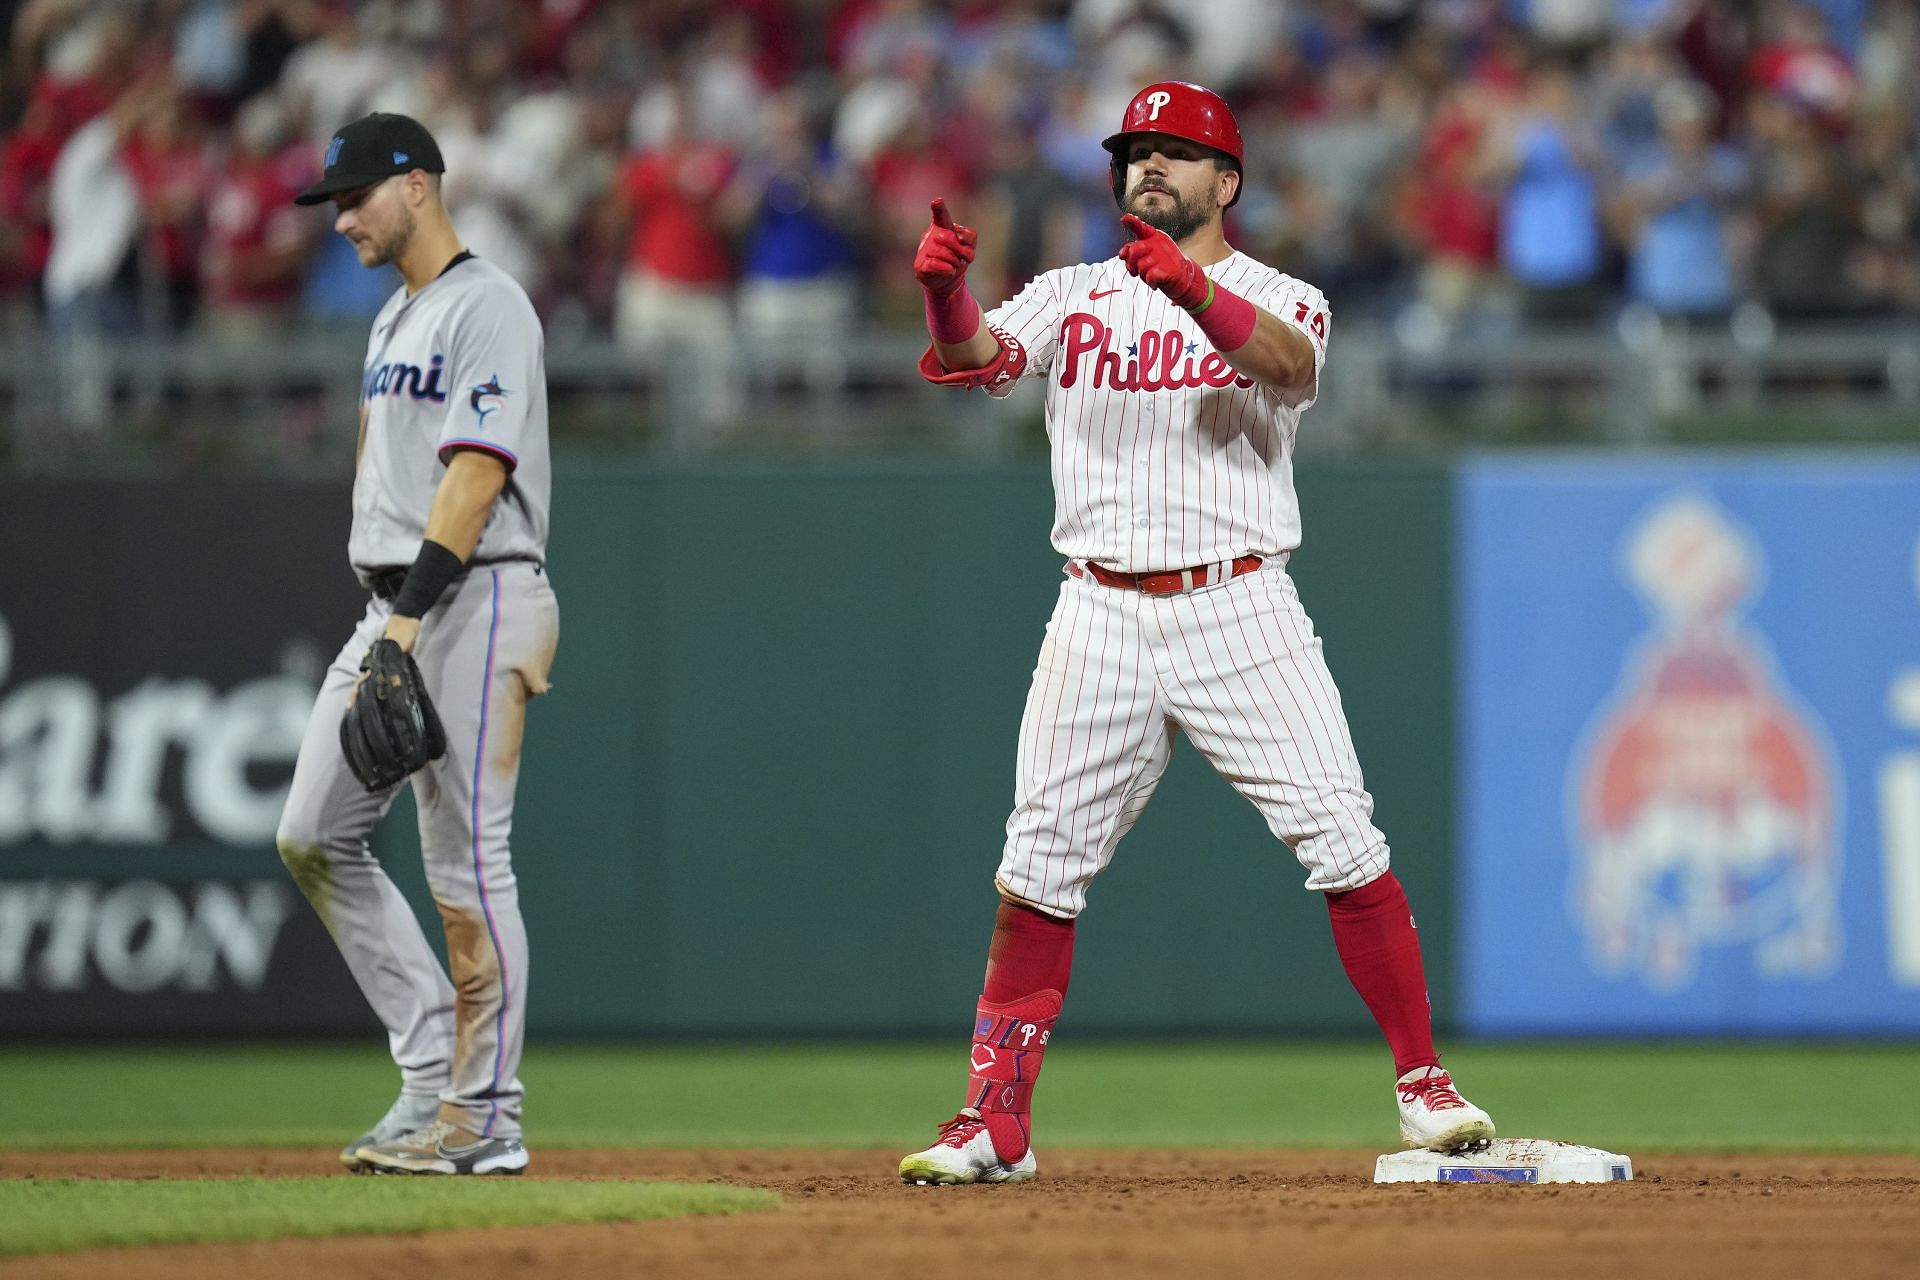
(1176, 376)
(449, 535)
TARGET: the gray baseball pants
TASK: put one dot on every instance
(485, 649)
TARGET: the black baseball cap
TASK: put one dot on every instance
(371, 148)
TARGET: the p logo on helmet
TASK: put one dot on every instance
(1179, 109)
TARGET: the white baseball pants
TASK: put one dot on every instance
(1237, 667)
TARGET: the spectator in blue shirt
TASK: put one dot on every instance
(798, 211)
(1550, 234)
(1674, 205)
(340, 291)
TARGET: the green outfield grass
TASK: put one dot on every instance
(1746, 1097)
(51, 1215)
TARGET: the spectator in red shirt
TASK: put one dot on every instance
(163, 149)
(1799, 63)
(1450, 209)
(257, 240)
(58, 104)
(675, 293)
(905, 170)
(26, 232)
(674, 302)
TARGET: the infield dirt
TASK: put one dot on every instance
(1178, 1214)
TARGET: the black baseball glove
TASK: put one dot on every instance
(391, 730)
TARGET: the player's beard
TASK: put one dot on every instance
(393, 246)
(1179, 218)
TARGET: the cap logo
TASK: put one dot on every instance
(333, 151)
(1157, 99)
(399, 157)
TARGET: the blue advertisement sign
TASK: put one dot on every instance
(1690, 767)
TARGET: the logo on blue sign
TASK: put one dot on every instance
(1704, 804)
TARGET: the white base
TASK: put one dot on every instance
(1508, 1160)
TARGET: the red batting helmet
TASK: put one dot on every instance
(1180, 110)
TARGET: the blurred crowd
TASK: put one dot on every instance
(759, 170)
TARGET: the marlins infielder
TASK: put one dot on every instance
(1176, 376)
(449, 535)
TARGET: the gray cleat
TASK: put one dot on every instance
(443, 1148)
(410, 1111)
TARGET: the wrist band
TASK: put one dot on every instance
(432, 570)
(953, 318)
(1206, 302)
(1226, 318)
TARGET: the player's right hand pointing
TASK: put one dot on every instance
(940, 265)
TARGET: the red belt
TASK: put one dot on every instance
(1171, 583)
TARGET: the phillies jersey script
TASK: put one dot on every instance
(1163, 455)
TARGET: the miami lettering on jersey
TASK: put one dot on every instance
(396, 377)
(1158, 360)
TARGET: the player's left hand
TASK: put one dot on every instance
(946, 250)
(391, 730)
(1155, 258)
(403, 632)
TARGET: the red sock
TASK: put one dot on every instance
(1031, 951)
(1028, 964)
(1374, 933)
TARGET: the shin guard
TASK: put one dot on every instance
(1009, 1041)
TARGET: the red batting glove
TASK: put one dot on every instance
(1155, 258)
(945, 250)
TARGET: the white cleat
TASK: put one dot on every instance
(1433, 1115)
(964, 1154)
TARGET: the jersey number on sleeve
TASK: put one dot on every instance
(1319, 324)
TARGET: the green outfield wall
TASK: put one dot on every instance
(767, 793)
(769, 790)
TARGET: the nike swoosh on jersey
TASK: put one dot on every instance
(1094, 295)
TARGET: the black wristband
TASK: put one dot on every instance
(432, 570)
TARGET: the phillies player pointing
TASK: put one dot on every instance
(1176, 376)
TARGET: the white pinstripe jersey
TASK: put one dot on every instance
(1163, 456)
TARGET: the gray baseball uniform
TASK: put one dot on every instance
(459, 365)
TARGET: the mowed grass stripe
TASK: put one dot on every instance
(62, 1214)
(1629, 1097)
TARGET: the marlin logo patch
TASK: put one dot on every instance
(487, 397)
(333, 151)
(399, 157)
